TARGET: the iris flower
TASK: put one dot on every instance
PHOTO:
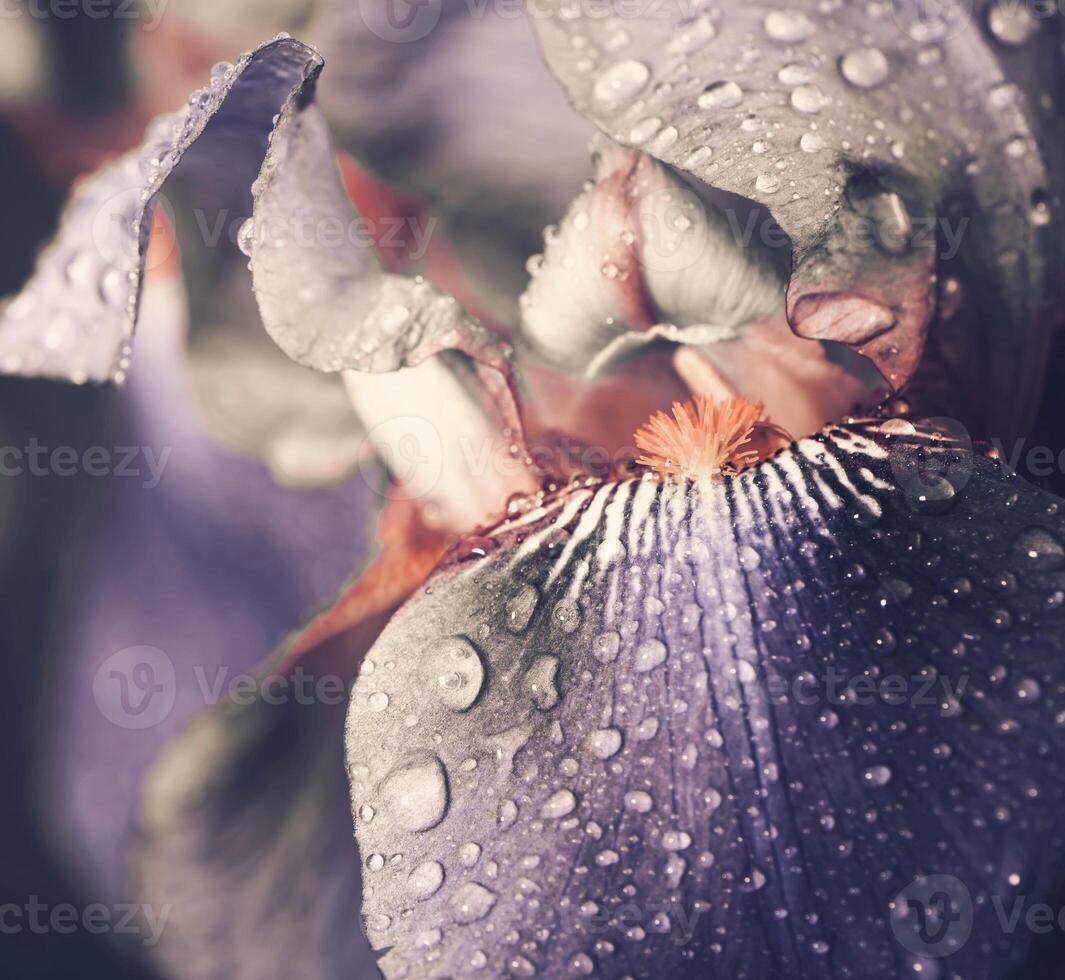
(707, 636)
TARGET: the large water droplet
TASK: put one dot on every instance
(638, 801)
(865, 67)
(415, 794)
(605, 742)
(1038, 550)
(1012, 22)
(607, 646)
(766, 183)
(559, 805)
(425, 880)
(788, 26)
(471, 902)
(521, 607)
(808, 99)
(246, 237)
(720, 95)
(795, 74)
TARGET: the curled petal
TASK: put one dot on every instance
(641, 256)
(649, 256)
(749, 728)
(327, 304)
(75, 318)
(927, 135)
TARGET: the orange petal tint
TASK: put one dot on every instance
(336, 640)
(705, 438)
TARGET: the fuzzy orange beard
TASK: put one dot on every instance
(706, 438)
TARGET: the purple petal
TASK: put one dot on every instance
(743, 729)
(87, 285)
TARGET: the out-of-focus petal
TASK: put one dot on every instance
(451, 101)
(244, 838)
(877, 136)
(747, 729)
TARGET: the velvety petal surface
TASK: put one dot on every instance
(804, 722)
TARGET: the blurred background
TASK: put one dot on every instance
(212, 564)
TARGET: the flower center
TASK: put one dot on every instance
(706, 438)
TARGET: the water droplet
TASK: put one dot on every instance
(1038, 550)
(416, 794)
(795, 74)
(567, 616)
(375, 862)
(720, 95)
(469, 854)
(876, 776)
(676, 840)
(808, 98)
(559, 804)
(788, 26)
(425, 880)
(605, 742)
(1016, 147)
(539, 682)
(766, 184)
(753, 881)
(884, 640)
(645, 129)
(246, 237)
(607, 646)
(1012, 22)
(811, 142)
(471, 902)
(649, 655)
(459, 672)
(638, 801)
(621, 83)
(521, 606)
(1027, 690)
(692, 35)
(699, 157)
(865, 67)
(582, 965)
(377, 701)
